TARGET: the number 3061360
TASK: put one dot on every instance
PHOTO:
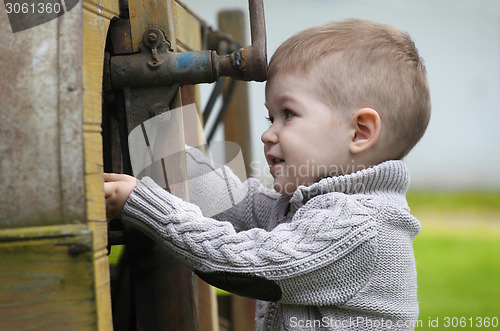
(478, 322)
(33, 8)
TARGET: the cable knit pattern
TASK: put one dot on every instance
(340, 249)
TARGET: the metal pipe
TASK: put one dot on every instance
(139, 70)
(166, 68)
(250, 62)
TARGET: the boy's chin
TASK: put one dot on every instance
(287, 188)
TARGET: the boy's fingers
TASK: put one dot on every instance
(117, 189)
(108, 189)
(111, 177)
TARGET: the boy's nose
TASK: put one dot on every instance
(269, 136)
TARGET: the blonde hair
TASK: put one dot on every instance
(357, 63)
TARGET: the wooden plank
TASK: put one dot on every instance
(187, 28)
(237, 117)
(207, 303)
(242, 313)
(96, 20)
(237, 129)
(206, 296)
(47, 278)
(164, 288)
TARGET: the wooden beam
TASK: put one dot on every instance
(237, 129)
(96, 20)
(188, 28)
(165, 290)
(237, 117)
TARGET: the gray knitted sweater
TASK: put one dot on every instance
(336, 255)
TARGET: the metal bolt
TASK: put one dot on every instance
(153, 37)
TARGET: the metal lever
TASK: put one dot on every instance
(168, 68)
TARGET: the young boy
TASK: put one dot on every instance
(331, 246)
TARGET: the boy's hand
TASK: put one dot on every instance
(117, 189)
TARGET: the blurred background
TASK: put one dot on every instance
(455, 189)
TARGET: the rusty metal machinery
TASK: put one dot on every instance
(157, 65)
(140, 82)
(149, 79)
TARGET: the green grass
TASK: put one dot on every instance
(458, 264)
(115, 253)
(454, 201)
(458, 273)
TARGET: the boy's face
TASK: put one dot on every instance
(306, 140)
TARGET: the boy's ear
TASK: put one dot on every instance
(366, 124)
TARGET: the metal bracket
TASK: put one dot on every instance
(154, 39)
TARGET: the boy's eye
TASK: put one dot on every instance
(288, 114)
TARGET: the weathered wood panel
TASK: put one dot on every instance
(50, 176)
(47, 279)
(41, 159)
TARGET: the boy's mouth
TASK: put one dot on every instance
(273, 161)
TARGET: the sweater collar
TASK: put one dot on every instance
(389, 179)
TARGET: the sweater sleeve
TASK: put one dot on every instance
(222, 195)
(324, 248)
